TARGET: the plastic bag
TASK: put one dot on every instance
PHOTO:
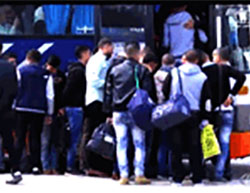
(209, 142)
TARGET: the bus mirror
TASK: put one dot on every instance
(244, 90)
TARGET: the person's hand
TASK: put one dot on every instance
(109, 120)
(61, 112)
(228, 101)
(189, 24)
(48, 120)
(16, 22)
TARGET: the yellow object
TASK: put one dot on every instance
(124, 181)
(209, 142)
(142, 180)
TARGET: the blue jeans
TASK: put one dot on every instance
(224, 140)
(164, 155)
(75, 117)
(48, 151)
(123, 124)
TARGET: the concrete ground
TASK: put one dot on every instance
(70, 183)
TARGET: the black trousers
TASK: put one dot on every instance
(32, 122)
(94, 117)
(6, 127)
(187, 135)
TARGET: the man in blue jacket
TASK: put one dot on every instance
(35, 100)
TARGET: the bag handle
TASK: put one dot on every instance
(137, 78)
(180, 81)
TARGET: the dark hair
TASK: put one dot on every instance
(224, 53)
(132, 48)
(10, 55)
(150, 57)
(54, 61)
(202, 57)
(79, 50)
(168, 59)
(192, 56)
(34, 55)
(103, 42)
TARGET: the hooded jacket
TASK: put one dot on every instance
(195, 87)
(176, 36)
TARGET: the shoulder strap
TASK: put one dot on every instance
(180, 81)
(137, 77)
(220, 85)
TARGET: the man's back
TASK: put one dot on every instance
(32, 89)
(176, 36)
(219, 81)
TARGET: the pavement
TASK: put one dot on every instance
(69, 183)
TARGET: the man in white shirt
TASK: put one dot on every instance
(96, 70)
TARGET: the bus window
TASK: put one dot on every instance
(236, 24)
(46, 19)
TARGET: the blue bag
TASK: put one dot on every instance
(173, 112)
(141, 106)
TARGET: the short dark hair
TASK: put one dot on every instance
(132, 48)
(79, 50)
(150, 57)
(34, 55)
(224, 53)
(168, 59)
(103, 42)
(202, 56)
(192, 56)
(10, 55)
(54, 61)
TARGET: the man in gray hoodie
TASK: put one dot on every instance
(197, 92)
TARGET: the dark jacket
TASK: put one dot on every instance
(32, 93)
(223, 83)
(75, 89)
(121, 85)
(59, 81)
(107, 98)
(8, 85)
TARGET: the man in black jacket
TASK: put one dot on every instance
(219, 73)
(74, 100)
(120, 88)
(8, 90)
(51, 130)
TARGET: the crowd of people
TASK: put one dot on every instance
(48, 117)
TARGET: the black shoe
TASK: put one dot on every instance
(16, 178)
(36, 171)
(219, 180)
(228, 176)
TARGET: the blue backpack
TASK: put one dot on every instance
(141, 106)
(173, 112)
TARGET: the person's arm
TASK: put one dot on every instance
(205, 101)
(148, 84)
(167, 86)
(50, 95)
(166, 35)
(238, 76)
(108, 97)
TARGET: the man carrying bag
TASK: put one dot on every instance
(196, 91)
(121, 86)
